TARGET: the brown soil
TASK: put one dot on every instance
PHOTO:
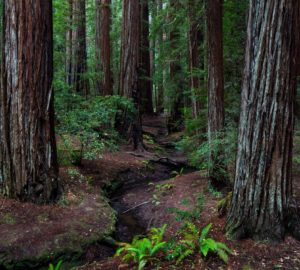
(83, 218)
(150, 212)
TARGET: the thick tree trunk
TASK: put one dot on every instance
(129, 70)
(103, 49)
(217, 170)
(145, 68)
(28, 165)
(80, 83)
(195, 39)
(263, 181)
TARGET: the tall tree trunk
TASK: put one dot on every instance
(263, 181)
(103, 48)
(80, 83)
(195, 39)
(217, 170)
(145, 68)
(159, 45)
(176, 100)
(129, 70)
(28, 164)
(69, 34)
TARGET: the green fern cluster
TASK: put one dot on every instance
(193, 241)
(142, 250)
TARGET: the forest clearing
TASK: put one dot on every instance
(149, 134)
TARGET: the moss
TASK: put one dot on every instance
(8, 219)
(224, 204)
(68, 246)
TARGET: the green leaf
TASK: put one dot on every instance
(205, 232)
(204, 250)
(223, 255)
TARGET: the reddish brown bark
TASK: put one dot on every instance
(28, 166)
(195, 40)
(263, 182)
(176, 100)
(145, 68)
(129, 70)
(217, 170)
(79, 83)
(103, 46)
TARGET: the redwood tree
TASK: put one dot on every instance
(79, 82)
(263, 182)
(145, 68)
(28, 165)
(176, 73)
(217, 171)
(103, 46)
(129, 70)
(195, 40)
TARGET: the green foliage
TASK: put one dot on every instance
(55, 267)
(188, 215)
(192, 240)
(142, 250)
(91, 122)
(200, 156)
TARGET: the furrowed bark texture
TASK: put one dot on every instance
(145, 67)
(80, 83)
(28, 165)
(129, 70)
(103, 49)
(217, 171)
(263, 181)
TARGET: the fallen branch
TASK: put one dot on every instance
(132, 208)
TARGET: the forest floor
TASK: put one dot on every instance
(141, 187)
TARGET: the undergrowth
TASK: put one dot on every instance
(87, 127)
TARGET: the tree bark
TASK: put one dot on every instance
(217, 170)
(195, 40)
(159, 46)
(103, 47)
(263, 181)
(28, 163)
(69, 34)
(80, 83)
(129, 70)
(145, 68)
(176, 100)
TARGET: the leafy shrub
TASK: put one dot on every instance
(141, 250)
(87, 126)
(198, 150)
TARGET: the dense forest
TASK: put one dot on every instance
(149, 134)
